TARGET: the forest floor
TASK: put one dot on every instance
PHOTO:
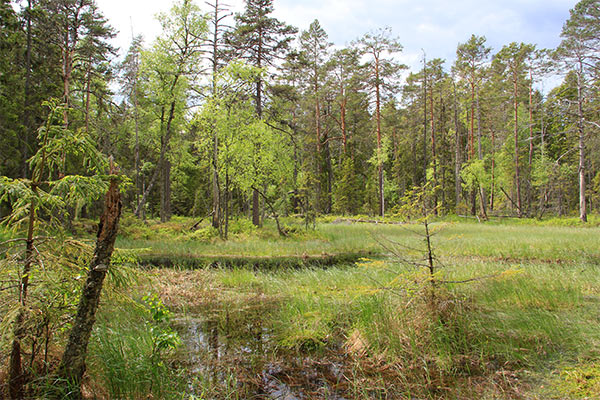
(524, 326)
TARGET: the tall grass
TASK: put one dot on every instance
(558, 243)
(123, 358)
(532, 315)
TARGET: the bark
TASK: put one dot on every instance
(433, 155)
(137, 141)
(165, 196)
(472, 127)
(529, 186)
(88, 82)
(343, 121)
(328, 165)
(516, 137)
(424, 119)
(457, 154)
(72, 366)
(482, 195)
(378, 122)
(580, 128)
(255, 208)
(493, 189)
(318, 155)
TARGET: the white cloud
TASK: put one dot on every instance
(434, 25)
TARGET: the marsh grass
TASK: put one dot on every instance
(499, 242)
(123, 360)
(531, 316)
(533, 323)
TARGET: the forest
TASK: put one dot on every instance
(285, 218)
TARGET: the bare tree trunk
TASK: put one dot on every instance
(255, 208)
(516, 136)
(472, 129)
(137, 136)
(226, 229)
(424, 118)
(72, 366)
(457, 153)
(88, 83)
(493, 188)
(379, 149)
(482, 195)
(218, 15)
(168, 211)
(580, 127)
(433, 154)
(530, 160)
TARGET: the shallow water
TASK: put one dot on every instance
(242, 344)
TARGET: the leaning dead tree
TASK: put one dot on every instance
(72, 365)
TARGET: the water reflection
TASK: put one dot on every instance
(239, 342)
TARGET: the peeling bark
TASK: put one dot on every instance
(72, 365)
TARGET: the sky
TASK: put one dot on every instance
(435, 26)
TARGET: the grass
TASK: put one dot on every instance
(458, 239)
(123, 359)
(529, 331)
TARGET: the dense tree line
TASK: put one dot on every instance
(245, 115)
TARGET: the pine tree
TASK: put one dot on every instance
(382, 81)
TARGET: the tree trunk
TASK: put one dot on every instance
(72, 366)
(482, 195)
(255, 195)
(457, 153)
(255, 208)
(26, 96)
(424, 119)
(379, 155)
(88, 83)
(275, 215)
(516, 135)
(472, 128)
(16, 378)
(433, 154)
(493, 188)
(582, 200)
(163, 152)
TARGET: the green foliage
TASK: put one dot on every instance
(129, 351)
(163, 337)
(474, 174)
(204, 234)
(347, 194)
(54, 196)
